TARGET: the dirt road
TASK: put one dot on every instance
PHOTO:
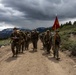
(35, 63)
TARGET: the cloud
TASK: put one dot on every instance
(35, 13)
(43, 9)
(4, 26)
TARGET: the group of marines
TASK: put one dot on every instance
(20, 41)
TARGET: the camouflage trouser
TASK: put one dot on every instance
(21, 47)
(44, 45)
(26, 44)
(56, 51)
(48, 47)
(35, 44)
(15, 48)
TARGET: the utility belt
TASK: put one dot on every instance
(15, 42)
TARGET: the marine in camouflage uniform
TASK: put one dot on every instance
(27, 40)
(22, 41)
(34, 39)
(48, 41)
(15, 38)
(42, 39)
(56, 47)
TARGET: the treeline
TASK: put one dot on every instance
(68, 24)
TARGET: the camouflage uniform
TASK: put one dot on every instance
(48, 41)
(42, 36)
(15, 37)
(34, 39)
(57, 41)
(22, 41)
(27, 40)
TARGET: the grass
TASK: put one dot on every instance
(68, 44)
(4, 42)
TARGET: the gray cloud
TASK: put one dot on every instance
(27, 12)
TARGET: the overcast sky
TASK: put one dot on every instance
(35, 13)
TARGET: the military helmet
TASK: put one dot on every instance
(33, 31)
(15, 28)
(47, 31)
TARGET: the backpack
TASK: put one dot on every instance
(57, 40)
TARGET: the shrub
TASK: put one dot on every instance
(73, 48)
(66, 45)
(4, 42)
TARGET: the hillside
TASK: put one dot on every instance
(68, 36)
(6, 32)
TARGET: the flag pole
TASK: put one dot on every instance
(55, 25)
(55, 33)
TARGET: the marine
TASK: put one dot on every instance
(48, 41)
(15, 38)
(22, 41)
(34, 39)
(57, 41)
(27, 40)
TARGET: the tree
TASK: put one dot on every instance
(74, 23)
(70, 23)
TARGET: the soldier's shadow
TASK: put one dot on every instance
(9, 59)
(51, 58)
(54, 59)
(31, 51)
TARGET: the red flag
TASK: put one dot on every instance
(56, 24)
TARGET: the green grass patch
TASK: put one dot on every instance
(4, 42)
